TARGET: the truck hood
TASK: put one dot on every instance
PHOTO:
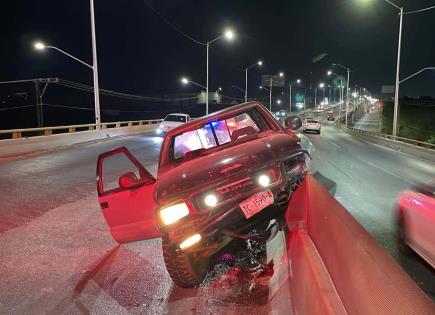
(244, 158)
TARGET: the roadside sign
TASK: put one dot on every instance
(277, 80)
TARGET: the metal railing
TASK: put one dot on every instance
(418, 143)
(47, 131)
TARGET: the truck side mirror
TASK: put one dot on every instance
(128, 180)
(293, 122)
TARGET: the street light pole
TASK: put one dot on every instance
(270, 94)
(259, 63)
(290, 98)
(206, 88)
(396, 92)
(95, 69)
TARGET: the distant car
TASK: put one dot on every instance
(311, 125)
(330, 117)
(172, 121)
(416, 221)
(281, 114)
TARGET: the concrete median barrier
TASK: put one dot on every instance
(15, 148)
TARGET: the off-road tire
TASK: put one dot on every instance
(184, 269)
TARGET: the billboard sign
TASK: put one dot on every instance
(276, 79)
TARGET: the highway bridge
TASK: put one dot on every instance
(57, 254)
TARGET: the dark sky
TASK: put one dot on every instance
(139, 53)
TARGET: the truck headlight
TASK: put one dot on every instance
(173, 213)
(264, 180)
(211, 200)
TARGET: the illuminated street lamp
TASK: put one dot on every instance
(228, 35)
(278, 102)
(186, 81)
(41, 47)
(258, 63)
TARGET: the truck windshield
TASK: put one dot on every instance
(176, 118)
(211, 135)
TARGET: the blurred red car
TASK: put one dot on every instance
(416, 221)
(218, 177)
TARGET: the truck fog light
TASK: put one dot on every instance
(173, 213)
(190, 241)
(264, 180)
(211, 200)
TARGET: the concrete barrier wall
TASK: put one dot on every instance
(24, 146)
(420, 152)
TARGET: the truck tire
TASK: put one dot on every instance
(185, 269)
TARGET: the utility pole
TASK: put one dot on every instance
(39, 111)
(290, 98)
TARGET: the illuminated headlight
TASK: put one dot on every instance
(210, 200)
(173, 213)
(264, 180)
(190, 241)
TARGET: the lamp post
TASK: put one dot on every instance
(94, 67)
(229, 35)
(281, 74)
(347, 86)
(259, 63)
(298, 81)
(41, 46)
(341, 93)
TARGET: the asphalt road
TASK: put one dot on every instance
(57, 255)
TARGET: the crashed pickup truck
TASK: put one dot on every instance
(224, 174)
(218, 177)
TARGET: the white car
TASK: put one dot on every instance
(311, 125)
(171, 121)
(416, 221)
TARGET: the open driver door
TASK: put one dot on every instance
(126, 200)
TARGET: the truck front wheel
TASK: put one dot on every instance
(185, 269)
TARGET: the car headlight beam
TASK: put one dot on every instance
(173, 213)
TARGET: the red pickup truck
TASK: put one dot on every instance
(218, 177)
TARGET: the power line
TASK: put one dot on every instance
(16, 107)
(172, 25)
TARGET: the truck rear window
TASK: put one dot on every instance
(213, 134)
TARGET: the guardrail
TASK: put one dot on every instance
(47, 131)
(417, 143)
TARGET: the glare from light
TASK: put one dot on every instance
(298, 81)
(229, 34)
(190, 241)
(210, 200)
(260, 63)
(281, 74)
(260, 87)
(321, 85)
(278, 102)
(39, 46)
(173, 213)
(264, 180)
(329, 72)
(185, 80)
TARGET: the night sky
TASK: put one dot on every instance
(139, 53)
